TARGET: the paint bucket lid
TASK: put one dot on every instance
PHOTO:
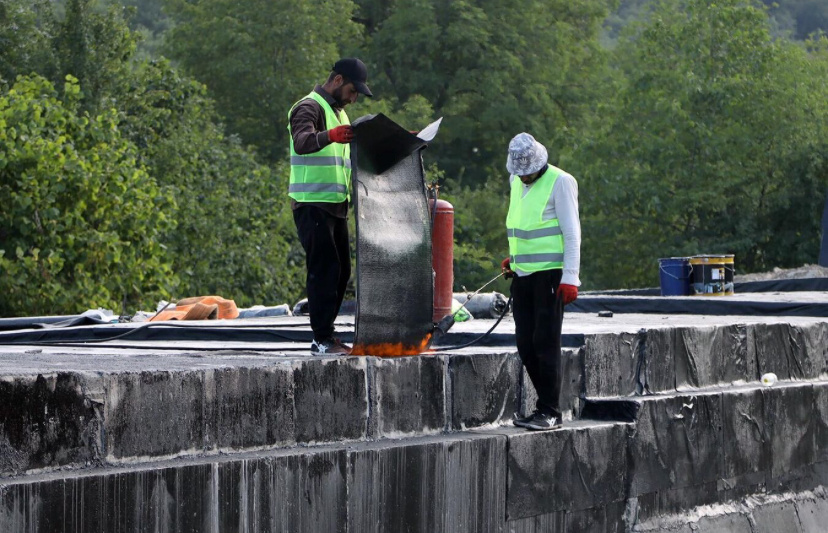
(711, 258)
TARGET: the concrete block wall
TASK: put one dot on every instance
(82, 419)
(503, 480)
(451, 483)
(673, 420)
(675, 359)
(79, 418)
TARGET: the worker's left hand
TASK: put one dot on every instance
(569, 293)
(505, 268)
(343, 134)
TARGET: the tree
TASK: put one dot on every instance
(82, 219)
(234, 234)
(492, 69)
(480, 233)
(259, 57)
(96, 48)
(26, 31)
(798, 18)
(92, 46)
(711, 144)
(229, 230)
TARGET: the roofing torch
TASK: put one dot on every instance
(447, 321)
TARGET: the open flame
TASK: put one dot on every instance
(392, 349)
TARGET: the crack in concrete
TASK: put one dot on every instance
(755, 425)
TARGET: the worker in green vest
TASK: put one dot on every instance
(544, 233)
(320, 186)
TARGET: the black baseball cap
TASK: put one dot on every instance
(355, 71)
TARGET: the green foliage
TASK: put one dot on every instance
(480, 233)
(235, 231)
(95, 48)
(700, 131)
(149, 15)
(81, 220)
(258, 57)
(91, 45)
(713, 143)
(492, 69)
(229, 230)
(799, 18)
(26, 30)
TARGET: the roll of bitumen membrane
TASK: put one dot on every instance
(740, 287)
(720, 305)
(393, 252)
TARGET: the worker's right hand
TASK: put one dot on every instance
(341, 134)
(505, 267)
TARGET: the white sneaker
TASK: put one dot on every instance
(330, 346)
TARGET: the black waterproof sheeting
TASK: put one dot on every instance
(393, 230)
(770, 285)
(8, 324)
(718, 306)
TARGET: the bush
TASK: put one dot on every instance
(81, 219)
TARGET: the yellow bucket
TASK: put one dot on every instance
(712, 275)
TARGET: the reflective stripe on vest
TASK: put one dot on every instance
(310, 161)
(534, 244)
(535, 258)
(323, 176)
(534, 234)
(318, 187)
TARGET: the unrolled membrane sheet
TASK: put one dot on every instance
(393, 231)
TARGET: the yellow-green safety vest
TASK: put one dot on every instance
(323, 176)
(534, 244)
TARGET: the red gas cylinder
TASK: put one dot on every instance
(442, 256)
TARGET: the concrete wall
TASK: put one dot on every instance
(671, 428)
(572, 480)
(83, 418)
(434, 484)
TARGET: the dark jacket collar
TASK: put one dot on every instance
(328, 98)
(541, 174)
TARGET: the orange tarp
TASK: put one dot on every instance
(200, 308)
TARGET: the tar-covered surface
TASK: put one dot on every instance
(394, 274)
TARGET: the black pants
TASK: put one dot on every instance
(325, 240)
(538, 316)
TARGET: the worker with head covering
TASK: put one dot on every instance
(544, 233)
(320, 186)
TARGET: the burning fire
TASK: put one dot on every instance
(392, 349)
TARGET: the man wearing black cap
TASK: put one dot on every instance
(320, 185)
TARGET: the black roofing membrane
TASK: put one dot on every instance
(393, 233)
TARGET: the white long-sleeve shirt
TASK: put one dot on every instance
(563, 205)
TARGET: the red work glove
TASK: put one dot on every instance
(569, 293)
(506, 269)
(341, 134)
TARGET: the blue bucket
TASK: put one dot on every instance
(674, 273)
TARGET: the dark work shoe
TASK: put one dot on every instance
(541, 421)
(521, 421)
(329, 347)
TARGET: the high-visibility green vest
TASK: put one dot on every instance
(534, 244)
(323, 176)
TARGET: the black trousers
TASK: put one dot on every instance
(538, 314)
(325, 240)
